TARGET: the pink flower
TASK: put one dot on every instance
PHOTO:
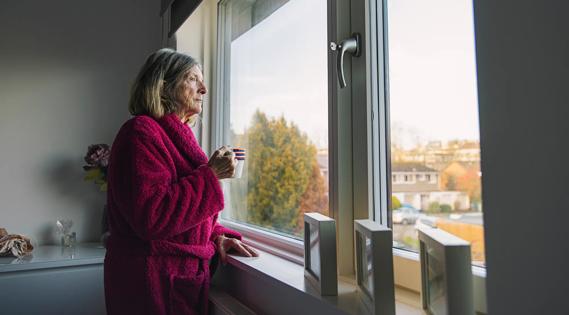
(97, 160)
(97, 156)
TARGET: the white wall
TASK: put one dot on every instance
(65, 71)
(523, 72)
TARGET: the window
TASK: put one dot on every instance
(275, 105)
(434, 117)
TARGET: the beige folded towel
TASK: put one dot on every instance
(14, 244)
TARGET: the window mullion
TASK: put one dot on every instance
(380, 113)
(350, 133)
(340, 140)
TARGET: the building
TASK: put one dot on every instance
(419, 186)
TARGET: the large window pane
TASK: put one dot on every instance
(276, 58)
(435, 150)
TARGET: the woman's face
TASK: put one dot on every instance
(191, 92)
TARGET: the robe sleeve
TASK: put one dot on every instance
(219, 229)
(155, 203)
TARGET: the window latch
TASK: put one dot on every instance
(351, 45)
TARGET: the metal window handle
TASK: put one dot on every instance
(351, 45)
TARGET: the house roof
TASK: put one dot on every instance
(411, 167)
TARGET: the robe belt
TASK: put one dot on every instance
(138, 247)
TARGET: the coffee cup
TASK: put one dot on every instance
(240, 157)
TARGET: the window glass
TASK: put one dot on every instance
(433, 124)
(277, 105)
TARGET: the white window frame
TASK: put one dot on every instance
(283, 246)
(350, 165)
(379, 78)
(364, 189)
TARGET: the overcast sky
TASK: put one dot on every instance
(279, 67)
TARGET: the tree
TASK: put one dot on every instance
(446, 208)
(284, 178)
(470, 183)
(395, 203)
(434, 207)
(315, 197)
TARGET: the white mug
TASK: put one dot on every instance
(240, 157)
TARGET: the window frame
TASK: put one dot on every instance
(340, 192)
(274, 243)
(380, 104)
(374, 115)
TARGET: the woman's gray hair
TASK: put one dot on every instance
(154, 90)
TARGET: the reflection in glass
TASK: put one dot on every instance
(435, 285)
(368, 265)
(314, 251)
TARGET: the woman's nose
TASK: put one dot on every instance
(203, 89)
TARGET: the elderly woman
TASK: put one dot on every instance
(164, 197)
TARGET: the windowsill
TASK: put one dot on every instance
(282, 264)
(282, 246)
(286, 275)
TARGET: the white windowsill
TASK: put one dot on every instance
(285, 247)
(281, 272)
(282, 263)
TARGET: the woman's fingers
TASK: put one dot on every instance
(213, 157)
(224, 150)
(244, 249)
(228, 166)
(240, 247)
(223, 163)
(225, 244)
(250, 250)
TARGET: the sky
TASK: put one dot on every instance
(280, 67)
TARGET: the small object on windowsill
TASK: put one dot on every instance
(374, 266)
(14, 244)
(320, 244)
(446, 272)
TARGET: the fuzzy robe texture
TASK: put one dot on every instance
(163, 202)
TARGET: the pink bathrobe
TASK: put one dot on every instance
(163, 203)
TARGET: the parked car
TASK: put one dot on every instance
(405, 215)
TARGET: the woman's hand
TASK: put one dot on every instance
(223, 163)
(226, 244)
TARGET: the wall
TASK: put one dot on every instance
(523, 71)
(66, 67)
